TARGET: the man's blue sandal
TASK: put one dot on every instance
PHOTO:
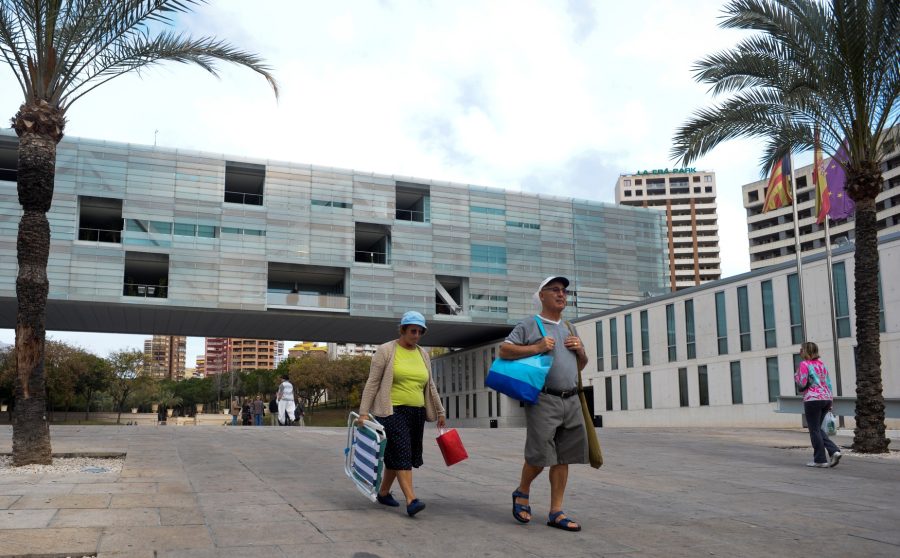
(565, 523)
(518, 509)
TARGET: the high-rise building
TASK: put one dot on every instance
(224, 354)
(338, 350)
(200, 368)
(771, 234)
(308, 348)
(164, 356)
(688, 198)
(216, 356)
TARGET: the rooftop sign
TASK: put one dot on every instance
(685, 170)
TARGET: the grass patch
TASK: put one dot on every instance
(326, 416)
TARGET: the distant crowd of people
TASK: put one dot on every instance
(283, 409)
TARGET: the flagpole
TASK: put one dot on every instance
(831, 314)
(797, 245)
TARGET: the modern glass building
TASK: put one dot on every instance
(154, 240)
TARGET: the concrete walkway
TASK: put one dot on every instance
(219, 492)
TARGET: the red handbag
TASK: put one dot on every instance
(451, 446)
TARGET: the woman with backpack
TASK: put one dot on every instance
(812, 379)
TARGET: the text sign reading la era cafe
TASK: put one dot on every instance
(686, 170)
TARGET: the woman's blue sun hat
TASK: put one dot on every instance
(413, 318)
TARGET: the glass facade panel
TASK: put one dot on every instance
(703, 381)
(690, 335)
(737, 390)
(721, 324)
(744, 317)
(670, 332)
(772, 380)
(645, 338)
(880, 305)
(607, 384)
(841, 302)
(623, 392)
(629, 342)
(648, 391)
(768, 303)
(797, 361)
(598, 327)
(683, 395)
(185, 229)
(794, 304)
(613, 345)
(488, 259)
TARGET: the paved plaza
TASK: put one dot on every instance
(219, 492)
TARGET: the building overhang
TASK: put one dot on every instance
(99, 317)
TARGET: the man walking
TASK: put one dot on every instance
(286, 404)
(258, 408)
(555, 435)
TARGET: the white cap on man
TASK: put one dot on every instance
(536, 297)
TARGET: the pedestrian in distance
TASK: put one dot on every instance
(402, 396)
(813, 381)
(258, 408)
(555, 430)
(298, 415)
(273, 409)
(235, 412)
(246, 414)
(285, 398)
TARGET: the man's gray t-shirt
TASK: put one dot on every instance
(563, 375)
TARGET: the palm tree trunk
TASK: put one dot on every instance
(869, 435)
(39, 127)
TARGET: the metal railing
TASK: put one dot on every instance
(244, 198)
(363, 256)
(410, 215)
(146, 291)
(100, 235)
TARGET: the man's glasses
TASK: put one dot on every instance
(557, 290)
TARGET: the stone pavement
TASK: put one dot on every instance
(217, 492)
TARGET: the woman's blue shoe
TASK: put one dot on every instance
(415, 507)
(388, 500)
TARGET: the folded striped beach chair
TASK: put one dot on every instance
(364, 455)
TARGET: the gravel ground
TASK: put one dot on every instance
(65, 466)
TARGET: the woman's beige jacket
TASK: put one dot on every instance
(376, 396)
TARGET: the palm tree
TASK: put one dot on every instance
(833, 65)
(60, 50)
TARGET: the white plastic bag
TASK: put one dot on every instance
(829, 424)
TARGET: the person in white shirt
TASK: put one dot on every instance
(286, 405)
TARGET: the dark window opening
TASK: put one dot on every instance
(307, 286)
(373, 244)
(99, 219)
(412, 202)
(244, 183)
(9, 158)
(146, 275)
(449, 295)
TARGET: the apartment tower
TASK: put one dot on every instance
(164, 356)
(688, 198)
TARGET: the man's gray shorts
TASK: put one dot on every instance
(555, 432)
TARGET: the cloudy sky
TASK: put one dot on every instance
(554, 96)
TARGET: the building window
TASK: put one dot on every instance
(683, 395)
(498, 404)
(490, 404)
(690, 335)
(623, 392)
(880, 305)
(608, 385)
(795, 311)
(627, 193)
(841, 302)
(645, 338)
(412, 202)
(629, 342)
(627, 182)
(488, 259)
(670, 332)
(373, 244)
(598, 327)
(797, 361)
(721, 324)
(744, 317)
(146, 275)
(773, 382)
(457, 406)
(707, 178)
(768, 302)
(244, 183)
(99, 219)
(467, 405)
(648, 391)
(737, 391)
(613, 345)
(703, 381)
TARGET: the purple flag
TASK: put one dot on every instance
(841, 204)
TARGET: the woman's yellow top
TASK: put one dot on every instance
(410, 376)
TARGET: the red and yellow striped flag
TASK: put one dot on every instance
(778, 192)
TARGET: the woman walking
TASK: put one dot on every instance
(401, 395)
(812, 379)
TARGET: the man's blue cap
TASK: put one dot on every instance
(413, 318)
